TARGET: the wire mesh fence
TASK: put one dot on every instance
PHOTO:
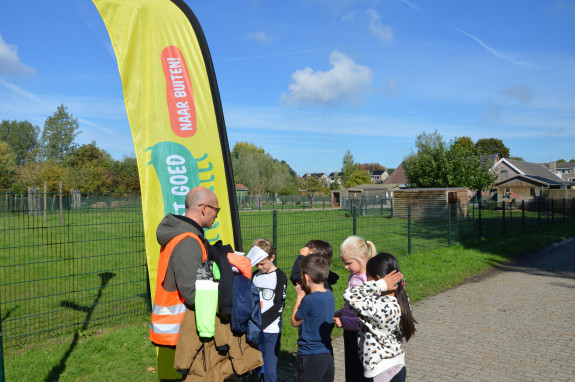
(68, 264)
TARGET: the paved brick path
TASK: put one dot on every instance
(513, 323)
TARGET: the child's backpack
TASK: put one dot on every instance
(246, 311)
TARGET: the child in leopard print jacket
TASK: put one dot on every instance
(382, 306)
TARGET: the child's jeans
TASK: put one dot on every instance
(270, 351)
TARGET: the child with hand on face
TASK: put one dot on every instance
(354, 252)
(386, 320)
(313, 314)
(271, 283)
(317, 247)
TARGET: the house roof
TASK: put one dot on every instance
(362, 187)
(241, 187)
(315, 174)
(397, 176)
(537, 179)
(378, 172)
(534, 170)
(564, 165)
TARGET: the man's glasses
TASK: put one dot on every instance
(217, 209)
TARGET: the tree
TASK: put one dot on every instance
(492, 146)
(22, 137)
(34, 174)
(88, 155)
(261, 173)
(465, 142)
(125, 173)
(358, 177)
(437, 165)
(7, 165)
(312, 185)
(426, 168)
(58, 135)
(371, 167)
(348, 167)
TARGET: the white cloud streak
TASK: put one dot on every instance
(346, 81)
(10, 63)
(496, 53)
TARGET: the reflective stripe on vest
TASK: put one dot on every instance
(168, 311)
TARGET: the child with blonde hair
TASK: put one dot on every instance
(355, 251)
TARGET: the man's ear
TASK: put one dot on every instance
(307, 278)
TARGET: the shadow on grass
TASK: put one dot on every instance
(57, 370)
(9, 313)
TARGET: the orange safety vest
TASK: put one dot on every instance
(168, 310)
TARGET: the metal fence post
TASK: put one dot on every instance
(409, 230)
(479, 216)
(449, 225)
(1, 353)
(538, 211)
(563, 210)
(552, 211)
(354, 216)
(275, 233)
(503, 204)
(523, 214)
(381, 207)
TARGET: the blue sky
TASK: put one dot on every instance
(308, 80)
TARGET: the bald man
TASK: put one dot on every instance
(201, 211)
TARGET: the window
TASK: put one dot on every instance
(532, 191)
(503, 174)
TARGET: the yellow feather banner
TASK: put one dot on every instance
(176, 118)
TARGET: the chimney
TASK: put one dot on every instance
(553, 167)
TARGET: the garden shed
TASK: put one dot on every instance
(431, 203)
(371, 192)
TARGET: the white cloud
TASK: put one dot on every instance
(346, 81)
(10, 63)
(260, 36)
(372, 19)
(381, 31)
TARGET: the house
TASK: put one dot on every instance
(397, 177)
(379, 176)
(565, 170)
(332, 176)
(320, 175)
(241, 194)
(519, 180)
(431, 203)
